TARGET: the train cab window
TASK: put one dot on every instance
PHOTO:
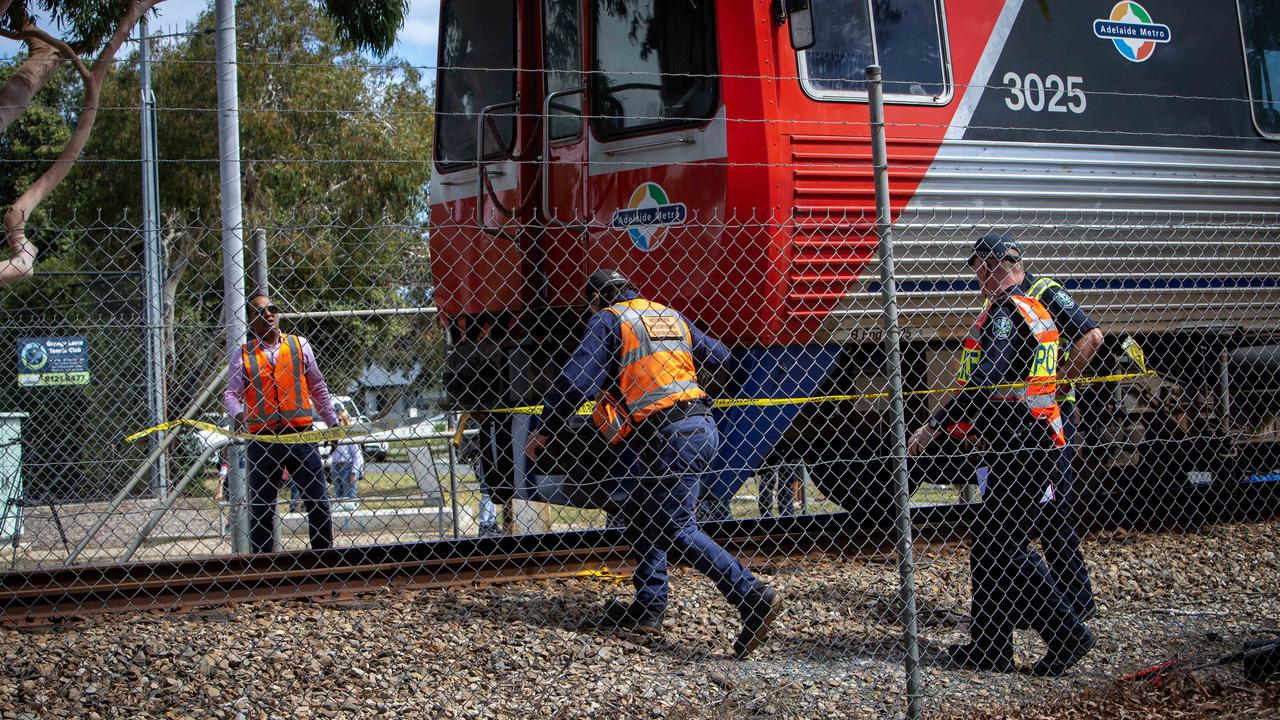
(477, 69)
(1260, 26)
(562, 61)
(654, 64)
(909, 36)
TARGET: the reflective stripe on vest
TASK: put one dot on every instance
(277, 395)
(656, 364)
(1039, 393)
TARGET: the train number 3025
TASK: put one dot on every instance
(1051, 93)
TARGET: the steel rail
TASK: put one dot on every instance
(63, 594)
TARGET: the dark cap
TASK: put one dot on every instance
(603, 281)
(999, 245)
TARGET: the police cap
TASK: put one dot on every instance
(605, 282)
(998, 245)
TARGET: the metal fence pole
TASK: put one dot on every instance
(232, 239)
(153, 263)
(893, 351)
(258, 260)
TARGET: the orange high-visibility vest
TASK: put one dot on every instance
(656, 366)
(1040, 393)
(277, 396)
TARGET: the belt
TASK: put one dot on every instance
(683, 409)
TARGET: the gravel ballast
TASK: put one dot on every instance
(528, 649)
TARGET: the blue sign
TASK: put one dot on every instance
(47, 361)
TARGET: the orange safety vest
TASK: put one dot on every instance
(655, 368)
(1040, 392)
(277, 396)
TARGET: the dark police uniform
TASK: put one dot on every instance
(1023, 446)
(666, 452)
(1057, 522)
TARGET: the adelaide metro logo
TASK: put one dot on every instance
(1132, 31)
(647, 214)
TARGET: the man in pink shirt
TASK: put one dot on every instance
(274, 387)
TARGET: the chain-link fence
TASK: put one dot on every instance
(1016, 409)
(1169, 419)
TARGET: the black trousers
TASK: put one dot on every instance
(1008, 578)
(1057, 527)
(267, 463)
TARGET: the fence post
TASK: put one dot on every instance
(893, 352)
(232, 240)
(258, 260)
(153, 263)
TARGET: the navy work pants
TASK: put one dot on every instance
(667, 464)
(267, 462)
(1057, 525)
(1009, 579)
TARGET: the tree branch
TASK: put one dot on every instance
(20, 89)
(35, 33)
(22, 252)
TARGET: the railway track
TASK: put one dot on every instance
(65, 594)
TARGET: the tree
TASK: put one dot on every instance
(343, 234)
(100, 27)
(335, 164)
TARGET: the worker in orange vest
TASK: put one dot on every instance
(274, 388)
(1009, 393)
(638, 360)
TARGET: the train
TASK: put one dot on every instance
(719, 154)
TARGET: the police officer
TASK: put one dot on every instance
(274, 387)
(642, 356)
(1057, 522)
(1011, 400)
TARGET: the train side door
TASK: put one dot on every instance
(563, 202)
(481, 176)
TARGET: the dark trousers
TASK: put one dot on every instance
(667, 464)
(1057, 524)
(776, 484)
(1008, 578)
(267, 462)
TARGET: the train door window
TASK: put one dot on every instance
(1260, 27)
(562, 63)
(654, 64)
(909, 35)
(477, 69)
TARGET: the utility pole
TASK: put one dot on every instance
(153, 264)
(232, 241)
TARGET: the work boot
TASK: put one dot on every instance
(1084, 612)
(972, 656)
(761, 609)
(619, 615)
(1063, 654)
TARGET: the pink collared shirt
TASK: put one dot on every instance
(238, 380)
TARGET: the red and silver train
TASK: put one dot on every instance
(1134, 147)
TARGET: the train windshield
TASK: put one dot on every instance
(1260, 22)
(908, 37)
(654, 64)
(477, 69)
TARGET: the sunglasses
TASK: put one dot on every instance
(272, 309)
(986, 263)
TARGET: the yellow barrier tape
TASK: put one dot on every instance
(1131, 348)
(603, 573)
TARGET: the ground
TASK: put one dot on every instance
(527, 649)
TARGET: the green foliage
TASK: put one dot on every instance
(335, 165)
(85, 24)
(38, 135)
(368, 25)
